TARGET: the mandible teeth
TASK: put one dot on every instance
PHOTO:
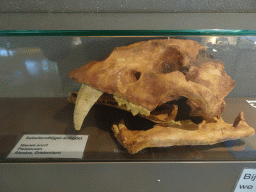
(86, 98)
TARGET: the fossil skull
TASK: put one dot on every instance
(156, 79)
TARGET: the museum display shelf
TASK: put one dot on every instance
(34, 101)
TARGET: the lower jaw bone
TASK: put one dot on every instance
(86, 98)
(188, 133)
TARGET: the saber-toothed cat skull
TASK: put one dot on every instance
(156, 79)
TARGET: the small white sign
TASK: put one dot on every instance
(50, 146)
(247, 181)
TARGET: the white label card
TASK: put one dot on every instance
(50, 146)
(247, 181)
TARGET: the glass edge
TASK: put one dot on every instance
(203, 32)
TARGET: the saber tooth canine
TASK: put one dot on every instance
(86, 98)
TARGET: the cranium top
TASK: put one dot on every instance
(151, 73)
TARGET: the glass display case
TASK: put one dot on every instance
(35, 100)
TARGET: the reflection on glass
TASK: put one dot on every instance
(27, 73)
(11, 52)
(32, 67)
(45, 66)
(76, 41)
(5, 52)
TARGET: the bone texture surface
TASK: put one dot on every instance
(170, 82)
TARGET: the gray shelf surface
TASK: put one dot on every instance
(106, 166)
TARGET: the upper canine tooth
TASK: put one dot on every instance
(86, 98)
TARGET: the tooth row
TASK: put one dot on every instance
(135, 109)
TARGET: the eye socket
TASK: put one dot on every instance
(130, 76)
(137, 75)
